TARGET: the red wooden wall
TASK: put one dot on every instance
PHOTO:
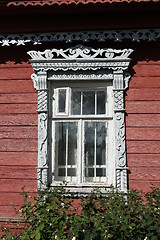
(18, 134)
(18, 124)
(143, 120)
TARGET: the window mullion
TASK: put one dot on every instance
(95, 151)
(66, 150)
(95, 102)
(81, 103)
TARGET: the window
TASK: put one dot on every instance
(81, 120)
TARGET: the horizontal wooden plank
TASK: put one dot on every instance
(17, 86)
(18, 158)
(16, 198)
(18, 108)
(15, 72)
(18, 98)
(8, 211)
(19, 145)
(143, 120)
(15, 185)
(142, 133)
(145, 173)
(144, 186)
(147, 70)
(12, 64)
(144, 82)
(19, 119)
(149, 61)
(18, 172)
(143, 147)
(143, 160)
(18, 132)
(143, 94)
(143, 106)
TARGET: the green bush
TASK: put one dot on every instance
(53, 215)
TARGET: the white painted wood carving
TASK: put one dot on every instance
(111, 65)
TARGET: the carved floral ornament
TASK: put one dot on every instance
(111, 64)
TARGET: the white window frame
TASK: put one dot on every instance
(81, 119)
(80, 63)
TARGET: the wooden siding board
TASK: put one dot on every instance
(18, 172)
(140, 133)
(17, 86)
(143, 120)
(144, 82)
(16, 198)
(15, 185)
(18, 73)
(8, 211)
(19, 145)
(143, 160)
(143, 147)
(18, 158)
(19, 119)
(144, 186)
(19, 132)
(18, 98)
(143, 107)
(18, 108)
(142, 173)
(145, 70)
(143, 94)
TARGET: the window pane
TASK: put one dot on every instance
(61, 143)
(100, 143)
(61, 172)
(66, 148)
(72, 143)
(71, 172)
(76, 103)
(89, 143)
(101, 100)
(100, 172)
(88, 103)
(89, 172)
(62, 100)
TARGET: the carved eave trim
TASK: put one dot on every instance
(133, 35)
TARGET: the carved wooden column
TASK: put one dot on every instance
(40, 84)
(120, 83)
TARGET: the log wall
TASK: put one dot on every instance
(143, 123)
(18, 135)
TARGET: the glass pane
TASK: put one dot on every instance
(76, 103)
(71, 172)
(61, 172)
(89, 172)
(100, 143)
(62, 100)
(100, 172)
(88, 103)
(89, 143)
(101, 100)
(61, 143)
(72, 143)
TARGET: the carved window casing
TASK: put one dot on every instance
(81, 72)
